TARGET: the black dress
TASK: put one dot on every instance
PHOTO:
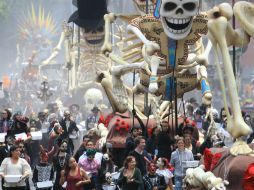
(135, 185)
(43, 172)
(59, 164)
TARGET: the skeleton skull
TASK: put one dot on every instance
(141, 6)
(177, 17)
(93, 97)
(94, 38)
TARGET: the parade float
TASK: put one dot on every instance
(173, 62)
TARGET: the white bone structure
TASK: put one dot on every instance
(177, 17)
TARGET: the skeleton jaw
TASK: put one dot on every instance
(177, 28)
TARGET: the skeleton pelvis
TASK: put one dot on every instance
(185, 83)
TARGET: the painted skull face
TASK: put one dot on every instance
(159, 162)
(108, 177)
(141, 6)
(177, 17)
(63, 147)
(152, 168)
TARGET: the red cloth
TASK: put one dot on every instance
(248, 179)
(106, 120)
(210, 159)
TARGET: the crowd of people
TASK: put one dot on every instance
(154, 162)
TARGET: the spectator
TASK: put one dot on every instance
(91, 165)
(23, 152)
(138, 154)
(165, 142)
(178, 157)
(75, 176)
(129, 143)
(153, 180)
(163, 169)
(6, 121)
(191, 145)
(20, 125)
(43, 124)
(70, 130)
(43, 171)
(93, 119)
(14, 165)
(90, 146)
(107, 166)
(130, 177)
(152, 143)
(59, 163)
(9, 142)
(82, 148)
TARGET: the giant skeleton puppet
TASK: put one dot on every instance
(167, 53)
(167, 46)
(82, 43)
(233, 166)
(85, 57)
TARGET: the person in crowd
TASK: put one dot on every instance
(20, 125)
(178, 158)
(14, 165)
(59, 163)
(82, 148)
(165, 142)
(152, 143)
(91, 165)
(163, 169)
(9, 142)
(43, 171)
(93, 118)
(75, 113)
(191, 145)
(34, 144)
(75, 176)
(129, 143)
(153, 180)
(138, 154)
(43, 124)
(109, 183)
(130, 177)
(107, 166)
(70, 130)
(90, 146)
(6, 121)
(23, 151)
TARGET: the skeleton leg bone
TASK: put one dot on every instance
(218, 28)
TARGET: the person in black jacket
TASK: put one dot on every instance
(153, 180)
(4, 150)
(139, 155)
(69, 129)
(82, 148)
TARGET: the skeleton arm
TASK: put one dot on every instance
(55, 51)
